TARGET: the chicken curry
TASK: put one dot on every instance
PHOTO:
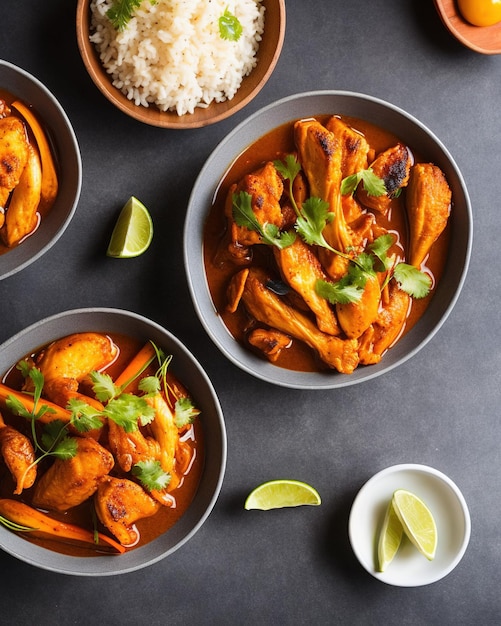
(101, 448)
(325, 242)
(28, 176)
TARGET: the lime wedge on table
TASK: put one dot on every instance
(133, 231)
(389, 538)
(276, 494)
(417, 521)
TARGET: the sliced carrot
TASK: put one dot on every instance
(137, 364)
(50, 183)
(56, 412)
(44, 526)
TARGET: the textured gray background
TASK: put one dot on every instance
(441, 408)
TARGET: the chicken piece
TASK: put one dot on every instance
(19, 456)
(428, 205)
(68, 483)
(268, 308)
(270, 342)
(321, 157)
(235, 290)
(265, 188)
(354, 146)
(130, 448)
(13, 152)
(393, 166)
(301, 269)
(387, 327)
(355, 317)
(119, 504)
(66, 363)
(165, 431)
(21, 218)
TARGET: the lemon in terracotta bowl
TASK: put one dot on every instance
(180, 64)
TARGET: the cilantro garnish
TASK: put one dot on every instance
(373, 185)
(184, 412)
(411, 280)
(229, 26)
(122, 12)
(151, 475)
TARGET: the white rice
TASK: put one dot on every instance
(172, 55)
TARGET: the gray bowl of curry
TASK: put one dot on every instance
(96, 482)
(40, 171)
(327, 239)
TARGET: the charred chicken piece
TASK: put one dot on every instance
(393, 166)
(68, 483)
(18, 453)
(120, 503)
(301, 269)
(265, 188)
(268, 308)
(428, 206)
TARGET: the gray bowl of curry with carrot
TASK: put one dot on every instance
(40, 171)
(113, 443)
(327, 239)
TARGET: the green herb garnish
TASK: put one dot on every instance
(411, 280)
(373, 185)
(151, 475)
(229, 26)
(122, 12)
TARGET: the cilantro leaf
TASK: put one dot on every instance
(314, 215)
(289, 168)
(411, 280)
(16, 406)
(184, 412)
(341, 292)
(150, 385)
(122, 11)
(104, 387)
(128, 410)
(151, 475)
(230, 27)
(84, 417)
(245, 216)
(65, 449)
(380, 246)
(373, 185)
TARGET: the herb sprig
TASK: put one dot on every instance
(230, 27)
(122, 11)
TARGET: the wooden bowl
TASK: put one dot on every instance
(269, 51)
(483, 39)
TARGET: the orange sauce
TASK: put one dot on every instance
(83, 515)
(219, 268)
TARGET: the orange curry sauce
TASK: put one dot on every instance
(218, 265)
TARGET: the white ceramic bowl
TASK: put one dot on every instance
(384, 115)
(409, 568)
(32, 92)
(191, 374)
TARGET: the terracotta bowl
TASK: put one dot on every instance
(191, 374)
(382, 114)
(27, 88)
(483, 39)
(268, 54)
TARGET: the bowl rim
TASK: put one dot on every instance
(196, 514)
(237, 141)
(102, 81)
(366, 502)
(17, 259)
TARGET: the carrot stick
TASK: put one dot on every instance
(136, 365)
(44, 526)
(27, 401)
(49, 175)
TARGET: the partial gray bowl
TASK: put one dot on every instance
(191, 374)
(31, 91)
(384, 115)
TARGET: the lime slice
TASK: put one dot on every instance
(389, 538)
(417, 522)
(276, 494)
(133, 231)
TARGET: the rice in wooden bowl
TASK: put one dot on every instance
(181, 64)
